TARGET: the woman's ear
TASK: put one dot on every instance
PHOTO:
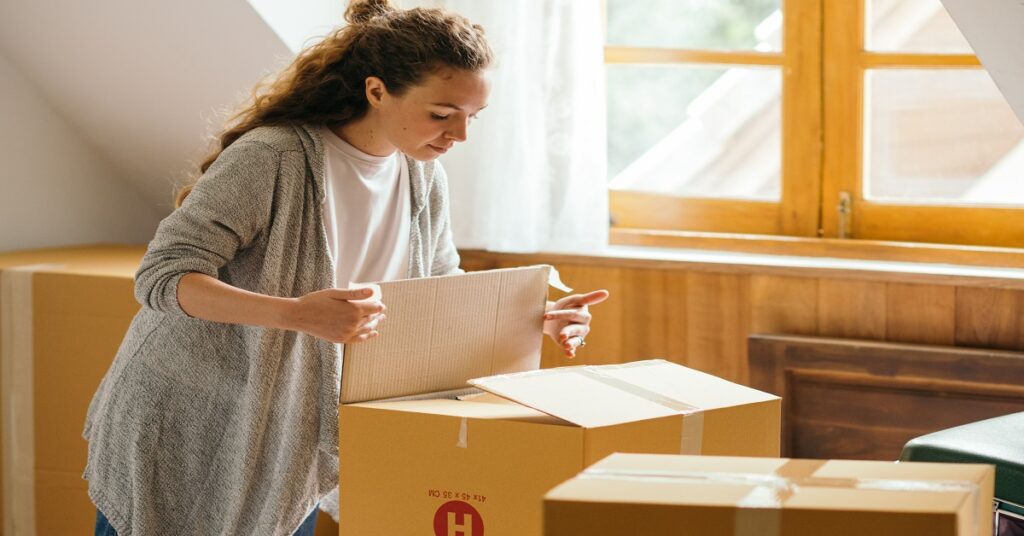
(375, 91)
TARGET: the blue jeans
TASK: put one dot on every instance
(103, 527)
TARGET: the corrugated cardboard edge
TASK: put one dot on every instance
(551, 278)
(16, 402)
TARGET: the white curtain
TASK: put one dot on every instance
(532, 176)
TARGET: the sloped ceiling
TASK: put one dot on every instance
(144, 82)
(995, 29)
(301, 22)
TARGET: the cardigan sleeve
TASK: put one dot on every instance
(445, 258)
(225, 212)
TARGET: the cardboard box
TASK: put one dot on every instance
(441, 331)
(63, 313)
(670, 495)
(444, 466)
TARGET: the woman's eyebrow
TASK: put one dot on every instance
(450, 105)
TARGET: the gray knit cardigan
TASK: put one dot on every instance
(208, 428)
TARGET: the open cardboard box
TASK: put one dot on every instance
(485, 461)
(668, 495)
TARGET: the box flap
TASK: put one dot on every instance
(442, 331)
(706, 391)
(592, 396)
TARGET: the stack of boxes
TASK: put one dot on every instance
(417, 460)
(63, 313)
(421, 454)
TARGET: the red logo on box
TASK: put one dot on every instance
(456, 518)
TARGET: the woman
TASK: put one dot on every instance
(219, 413)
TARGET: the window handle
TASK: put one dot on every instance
(845, 209)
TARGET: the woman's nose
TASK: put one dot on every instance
(458, 132)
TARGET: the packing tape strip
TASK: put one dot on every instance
(463, 441)
(693, 433)
(691, 439)
(16, 397)
(759, 512)
(596, 374)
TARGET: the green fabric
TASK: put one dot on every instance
(998, 441)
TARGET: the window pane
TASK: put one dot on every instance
(941, 137)
(695, 131)
(701, 24)
(916, 26)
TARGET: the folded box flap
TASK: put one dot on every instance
(442, 331)
(594, 396)
(677, 382)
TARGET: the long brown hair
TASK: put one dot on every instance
(325, 83)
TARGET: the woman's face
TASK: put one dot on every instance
(428, 119)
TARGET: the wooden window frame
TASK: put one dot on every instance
(824, 62)
(846, 63)
(796, 214)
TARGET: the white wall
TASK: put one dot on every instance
(993, 28)
(55, 189)
(143, 82)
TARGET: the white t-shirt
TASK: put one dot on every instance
(366, 212)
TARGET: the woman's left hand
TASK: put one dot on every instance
(567, 321)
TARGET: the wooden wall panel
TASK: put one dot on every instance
(924, 314)
(864, 400)
(988, 318)
(718, 316)
(854, 309)
(701, 316)
(783, 305)
(677, 317)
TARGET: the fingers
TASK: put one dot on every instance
(594, 298)
(374, 320)
(367, 331)
(583, 300)
(569, 315)
(350, 293)
(363, 337)
(571, 344)
(565, 336)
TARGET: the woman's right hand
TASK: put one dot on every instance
(336, 315)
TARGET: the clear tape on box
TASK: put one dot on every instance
(16, 374)
(759, 512)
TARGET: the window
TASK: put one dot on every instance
(859, 119)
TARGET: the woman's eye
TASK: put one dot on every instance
(439, 117)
